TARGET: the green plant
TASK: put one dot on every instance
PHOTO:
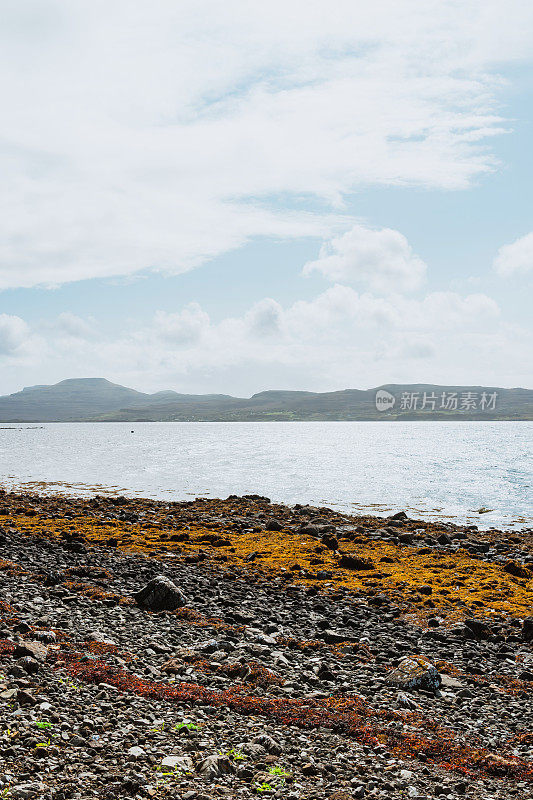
(70, 684)
(279, 772)
(263, 787)
(234, 754)
(43, 725)
(191, 726)
(165, 775)
(43, 744)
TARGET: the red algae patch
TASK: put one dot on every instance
(412, 735)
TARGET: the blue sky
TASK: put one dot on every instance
(238, 199)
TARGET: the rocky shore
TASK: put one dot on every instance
(237, 648)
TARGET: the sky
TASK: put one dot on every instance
(233, 197)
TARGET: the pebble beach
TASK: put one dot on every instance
(240, 648)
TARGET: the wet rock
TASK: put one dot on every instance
(527, 629)
(331, 542)
(406, 538)
(353, 561)
(274, 525)
(310, 530)
(477, 629)
(517, 570)
(160, 594)
(444, 539)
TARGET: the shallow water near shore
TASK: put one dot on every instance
(442, 470)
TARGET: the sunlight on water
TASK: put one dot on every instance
(478, 472)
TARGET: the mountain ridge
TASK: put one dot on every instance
(100, 400)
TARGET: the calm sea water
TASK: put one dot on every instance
(439, 469)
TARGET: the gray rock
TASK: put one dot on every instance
(214, 766)
(178, 762)
(160, 594)
(136, 751)
(35, 650)
(23, 790)
(415, 672)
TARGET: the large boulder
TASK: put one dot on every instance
(160, 594)
(415, 672)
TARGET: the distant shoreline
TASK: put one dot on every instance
(407, 418)
(99, 400)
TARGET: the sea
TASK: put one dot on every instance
(466, 472)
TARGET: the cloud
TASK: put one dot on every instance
(340, 338)
(73, 325)
(265, 318)
(515, 258)
(164, 142)
(382, 259)
(185, 327)
(13, 334)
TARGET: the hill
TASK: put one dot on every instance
(97, 399)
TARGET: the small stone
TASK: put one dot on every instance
(26, 790)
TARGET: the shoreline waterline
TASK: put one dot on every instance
(446, 472)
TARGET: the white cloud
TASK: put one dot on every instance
(382, 259)
(515, 258)
(183, 328)
(73, 325)
(340, 338)
(265, 318)
(13, 333)
(156, 135)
